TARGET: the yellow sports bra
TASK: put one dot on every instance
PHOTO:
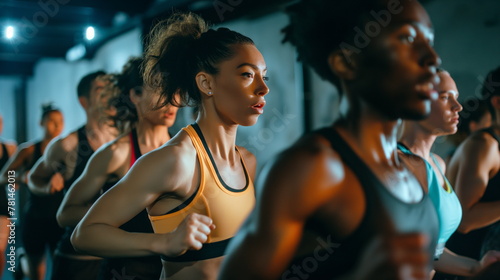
(227, 207)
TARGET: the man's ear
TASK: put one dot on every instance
(343, 63)
(84, 101)
(204, 82)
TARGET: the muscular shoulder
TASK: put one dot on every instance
(64, 144)
(441, 162)
(481, 144)
(247, 156)
(479, 151)
(114, 154)
(308, 174)
(173, 164)
(11, 148)
(482, 138)
(25, 150)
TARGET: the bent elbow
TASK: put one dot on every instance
(33, 185)
(60, 217)
(77, 240)
(465, 227)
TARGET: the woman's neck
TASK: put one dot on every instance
(417, 140)
(151, 136)
(220, 139)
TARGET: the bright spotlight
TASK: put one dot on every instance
(9, 32)
(90, 33)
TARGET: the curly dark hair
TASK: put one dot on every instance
(85, 84)
(319, 27)
(120, 86)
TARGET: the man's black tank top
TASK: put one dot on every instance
(143, 268)
(3, 192)
(5, 155)
(384, 213)
(469, 244)
(84, 152)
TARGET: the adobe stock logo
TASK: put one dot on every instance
(30, 27)
(278, 123)
(309, 265)
(372, 28)
(225, 6)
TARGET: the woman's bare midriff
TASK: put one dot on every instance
(202, 270)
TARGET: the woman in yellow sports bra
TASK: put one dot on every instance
(197, 188)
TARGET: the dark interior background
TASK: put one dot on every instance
(34, 69)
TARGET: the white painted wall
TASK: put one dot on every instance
(8, 87)
(55, 80)
(467, 45)
(468, 48)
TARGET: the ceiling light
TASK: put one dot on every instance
(75, 53)
(90, 33)
(9, 32)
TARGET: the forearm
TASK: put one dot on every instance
(251, 258)
(452, 263)
(71, 215)
(8, 177)
(480, 215)
(108, 241)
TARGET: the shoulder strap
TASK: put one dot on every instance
(369, 182)
(350, 158)
(38, 150)
(82, 135)
(4, 150)
(201, 138)
(402, 147)
(490, 131)
(134, 146)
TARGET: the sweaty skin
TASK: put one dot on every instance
(309, 182)
(173, 174)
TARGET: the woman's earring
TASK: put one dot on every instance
(209, 93)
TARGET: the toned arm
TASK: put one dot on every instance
(268, 240)
(17, 161)
(478, 162)
(49, 165)
(101, 166)
(157, 173)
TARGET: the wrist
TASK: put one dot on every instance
(475, 268)
(159, 244)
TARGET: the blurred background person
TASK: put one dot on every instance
(7, 149)
(39, 229)
(135, 108)
(474, 171)
(474, 116)
(64, 161)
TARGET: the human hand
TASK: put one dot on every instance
(56, 183)
(189, 235)
(488, 258)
